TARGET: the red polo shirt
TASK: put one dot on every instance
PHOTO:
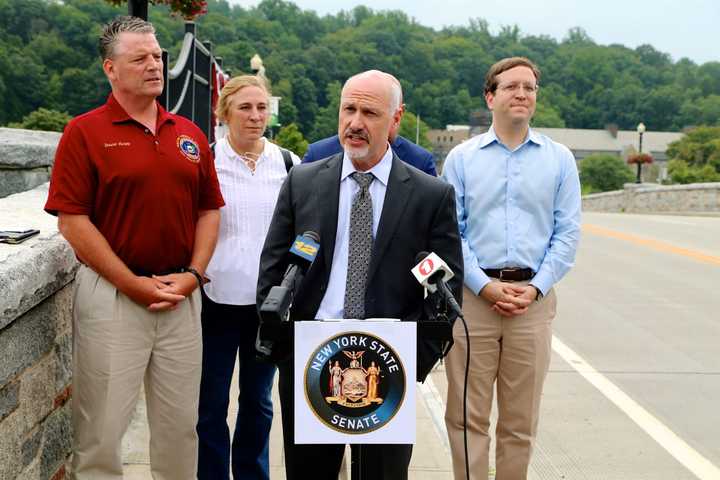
(142, 191)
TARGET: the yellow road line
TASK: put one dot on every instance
(649, 242)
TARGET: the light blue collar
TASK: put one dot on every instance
(491, 137)
(381, 171)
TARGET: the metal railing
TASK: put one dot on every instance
(193, 84)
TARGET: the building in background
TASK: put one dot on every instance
(582, 142)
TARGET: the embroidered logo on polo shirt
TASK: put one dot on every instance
(189, 148)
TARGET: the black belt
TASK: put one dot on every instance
(510, 274)
(147, 273)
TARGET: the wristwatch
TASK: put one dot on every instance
(539, 295)
(196, 274)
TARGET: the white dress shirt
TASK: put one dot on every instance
(333, 303)
(244, 221)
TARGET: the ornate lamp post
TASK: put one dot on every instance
(640, 130)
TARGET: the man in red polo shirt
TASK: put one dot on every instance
(137, 198)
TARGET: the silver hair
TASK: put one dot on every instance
(109, 37)
(395, 87)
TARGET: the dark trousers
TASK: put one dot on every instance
(229, 331)
(322, 462)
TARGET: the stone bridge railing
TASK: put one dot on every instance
(35, 342)
(25, 159)
(692, 199)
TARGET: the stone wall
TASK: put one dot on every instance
(692, 199)
(35, 341)
(25, 159)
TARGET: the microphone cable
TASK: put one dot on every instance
(465, 387)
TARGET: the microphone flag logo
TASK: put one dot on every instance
(427, 267)
(305, 247)
(354, 382)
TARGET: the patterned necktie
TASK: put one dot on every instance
(359, 247)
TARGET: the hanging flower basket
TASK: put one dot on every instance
(189, 9)
(640, 158)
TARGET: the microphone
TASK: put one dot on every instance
(433, 273)
(276, 307)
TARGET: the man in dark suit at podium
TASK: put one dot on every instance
(406, 150)
(374, 214)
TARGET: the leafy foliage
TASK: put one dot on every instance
(48, 59)
(408, 129)
(603, 172)
(44, 119)
(696, 156)
(291, 138)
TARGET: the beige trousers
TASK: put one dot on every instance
(116, 344)
(515, 353)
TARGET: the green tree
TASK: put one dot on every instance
(696, 156)
(44, 119)
(697, 147)
(603, 172)
(290, 137)
(408, 129)
(75, 90)
(326, 121)
(547, 116)
(701, 111)
(681, 172)
(48, 59)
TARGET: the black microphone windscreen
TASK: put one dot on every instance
(313, 235)
(421, 256)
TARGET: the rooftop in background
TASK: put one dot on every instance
(584, 142)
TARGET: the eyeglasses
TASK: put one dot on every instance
(513, 87)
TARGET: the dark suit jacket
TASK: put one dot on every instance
(408, 152)
(418, 215)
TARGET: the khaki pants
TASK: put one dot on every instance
(116, 344)
(515, 353)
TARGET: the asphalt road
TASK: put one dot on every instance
(633, 391)
(641, 308)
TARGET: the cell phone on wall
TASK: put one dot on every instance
(16, 236)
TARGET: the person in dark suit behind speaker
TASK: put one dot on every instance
(368, 202)
(407, 151)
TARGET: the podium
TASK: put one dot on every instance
(354, 381)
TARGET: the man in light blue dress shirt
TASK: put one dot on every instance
(518, 207)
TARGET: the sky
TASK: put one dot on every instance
(687, 28)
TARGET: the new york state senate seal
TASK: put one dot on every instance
(354, 382)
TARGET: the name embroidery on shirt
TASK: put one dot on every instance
(189, 148)
(116, 144)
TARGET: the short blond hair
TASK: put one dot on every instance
(111, 33)
(233, 86)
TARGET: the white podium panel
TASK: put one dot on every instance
(355, 381)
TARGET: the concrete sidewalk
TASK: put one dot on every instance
(430, 460)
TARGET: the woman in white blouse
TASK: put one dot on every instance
(250, 170)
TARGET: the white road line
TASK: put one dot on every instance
(436, 408)
(666, 438)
